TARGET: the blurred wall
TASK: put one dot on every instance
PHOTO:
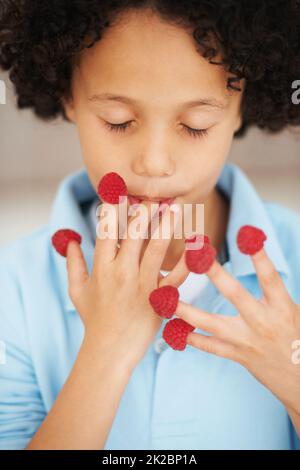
(35, 156)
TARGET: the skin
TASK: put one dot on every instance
(156, 63)
(261, 335)
(156, 156)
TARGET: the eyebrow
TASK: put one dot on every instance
(127, 100)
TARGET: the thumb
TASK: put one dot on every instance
(77, 269)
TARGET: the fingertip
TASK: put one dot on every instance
(62, 237)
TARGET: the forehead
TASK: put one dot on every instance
(144, 56)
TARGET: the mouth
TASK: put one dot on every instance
(133, 199)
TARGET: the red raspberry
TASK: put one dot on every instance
(200, 260)
(250, 239)
(62, 237)
(164, 300)
(111, 187)
(175, 333)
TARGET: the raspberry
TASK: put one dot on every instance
(175, 333)
(164, 300)
(62, 237)
(200, 260)
(111, 187)
(250, 239)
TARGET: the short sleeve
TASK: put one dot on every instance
(21, 406)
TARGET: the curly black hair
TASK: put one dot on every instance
(41, 41)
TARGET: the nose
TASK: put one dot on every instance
(155, 160)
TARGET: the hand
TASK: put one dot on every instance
(260, 336)
(113, 301)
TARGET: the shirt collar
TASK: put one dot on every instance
(246, 208)
(73, 191)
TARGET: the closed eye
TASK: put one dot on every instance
(118, 127)
(195, 132)
(125, 125)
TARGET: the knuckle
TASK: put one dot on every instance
(269, 277)
(267, 331)
(208, 346)
(73, 293)
(157, 246)
(124, 273)
(216, 325)
(239, 356)
(234, 291)
(143, 286)
(224, 329)
(248, 352)
(249, 345)
(120, 275)
(232, 353)
(288, 319)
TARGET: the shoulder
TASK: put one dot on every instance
(25, 254)
(286, 222)
(23, 264)
(15, 252)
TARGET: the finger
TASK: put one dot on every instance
(237, 295)
(106, 245)
(213, 345)
(161, 235)
(77, 269)
(214, 323)
(270, 281)
(178, 274)
(136, 232)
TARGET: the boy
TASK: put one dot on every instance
(84, 368)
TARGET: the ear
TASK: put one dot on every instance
(69, 109)
(239, 118)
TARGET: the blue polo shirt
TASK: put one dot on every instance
(174, 399)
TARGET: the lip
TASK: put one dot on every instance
(137, 199)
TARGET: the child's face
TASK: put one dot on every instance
(156, 65)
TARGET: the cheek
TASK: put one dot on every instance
(99, 155)
(204, 164)
(220, 142)
(92, 142)
(211, 151)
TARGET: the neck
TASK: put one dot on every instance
(216, 214)
(216, 219)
